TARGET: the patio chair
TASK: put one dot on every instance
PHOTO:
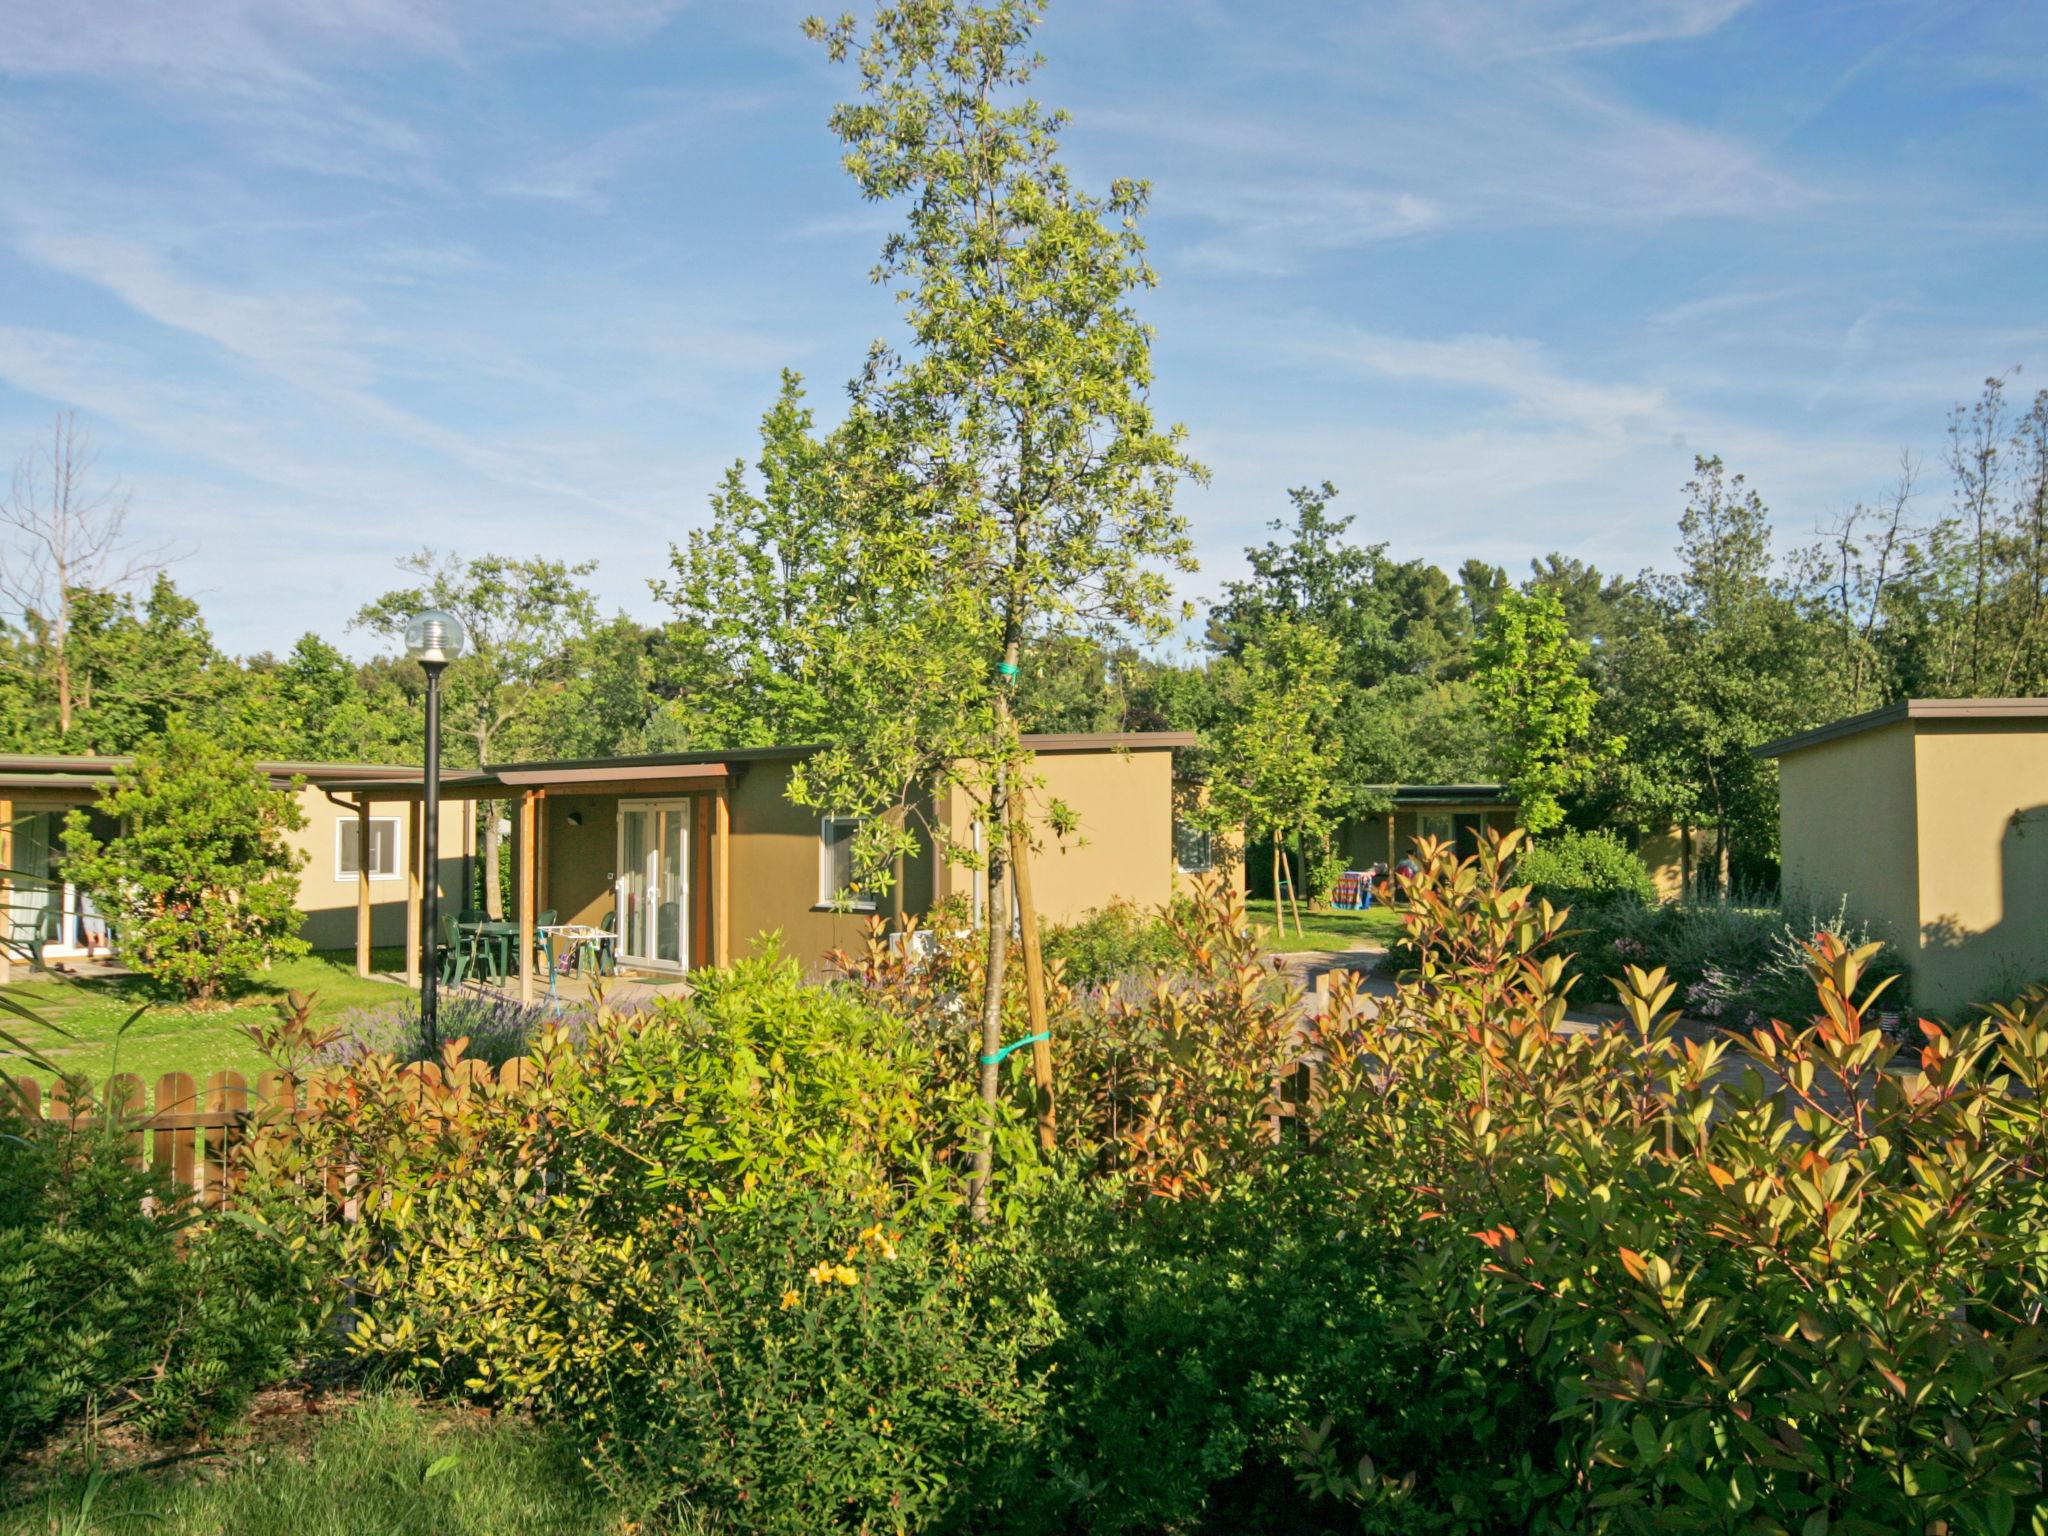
(462, 958)
(543, 944)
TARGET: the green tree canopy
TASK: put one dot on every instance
(201, 881)
(1531, 673)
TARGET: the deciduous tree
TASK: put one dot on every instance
(201, 882)
(1531, 673)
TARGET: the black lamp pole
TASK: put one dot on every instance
(430, 866)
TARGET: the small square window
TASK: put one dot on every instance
(835, 865)
(385, 859)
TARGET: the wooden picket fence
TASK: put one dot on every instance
(190, 1132)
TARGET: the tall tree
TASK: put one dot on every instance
(737, 662)
(133, 668)
(68, 539)
(1273, 757)
(1002, 478)
(523, 618)
(1531, 673)
(1708, 664)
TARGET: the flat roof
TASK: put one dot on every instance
(55, 770)
(495, 778)
(86, 767)
(1931, 710)
(1443, 794)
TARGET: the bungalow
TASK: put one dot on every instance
(1928, 820)
(44, 915)
(1453, 813)
(690, 856)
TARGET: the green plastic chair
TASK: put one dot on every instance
(456, 962)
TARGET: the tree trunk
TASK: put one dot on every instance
(63, 690)
(1685, 872)
(1034, 974)
(998, 960)
(494, 841)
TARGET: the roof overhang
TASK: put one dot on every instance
(1964, 712)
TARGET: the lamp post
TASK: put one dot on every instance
(433, 639)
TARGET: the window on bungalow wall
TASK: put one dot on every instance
(835, 865)
(1193, 851)
(385, 855)
(1441, 825)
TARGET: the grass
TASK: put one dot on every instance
(1373, 928)
(173, 1038)
(384, 1466)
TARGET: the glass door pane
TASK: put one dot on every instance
(669, 939)
(634, 849)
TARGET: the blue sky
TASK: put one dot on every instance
(333, 279)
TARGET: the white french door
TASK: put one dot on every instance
(653, 895)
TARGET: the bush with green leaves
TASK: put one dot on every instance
(1108, 945)
(1788, 1281)
(118, 1303)
(721, 1241)
(200, 881)
(1571, 867)
(1733, 962)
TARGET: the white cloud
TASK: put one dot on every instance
(1269, 229)
(1506, 29)
(1514, 370)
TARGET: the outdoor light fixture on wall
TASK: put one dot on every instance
(433, 639)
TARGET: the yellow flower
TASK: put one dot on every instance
(834, 1274)
(790, 1299)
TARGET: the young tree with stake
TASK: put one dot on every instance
(1002, 479)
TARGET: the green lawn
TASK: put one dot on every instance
(382, 1467)
(1328, 930)
(170, 1037)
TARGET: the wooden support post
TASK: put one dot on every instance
(412, 895)
(363, 887)
(543, 887)
(528, 835)
(6, 890)
(721, 877)
(1034, 972)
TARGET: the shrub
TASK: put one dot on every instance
(200, 883)
(1780, 1284)
(1108, 945)
(495, 1029)
(717, 1240)
(1587, 868)
(1735, 963)
(116, 1302)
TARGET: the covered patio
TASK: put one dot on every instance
(645, 843)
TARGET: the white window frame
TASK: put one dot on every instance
(345, 831)
(1187, 829)
(829, 889)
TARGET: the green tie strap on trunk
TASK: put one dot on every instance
(1007, 668)
(1016, 1045)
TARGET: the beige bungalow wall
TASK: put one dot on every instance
(1935, 834)
(1981, 792)
(329, 901)
(1850, 832)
